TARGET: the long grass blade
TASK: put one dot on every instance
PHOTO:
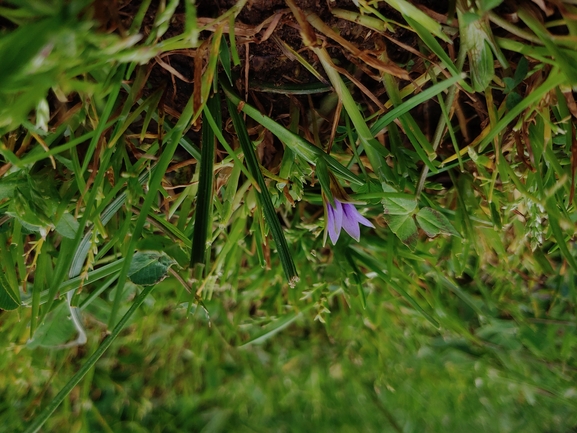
(296, 143)
(203, 214)
(264, 196)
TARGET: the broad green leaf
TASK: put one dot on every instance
(167, 245)
(149, 267)
(521, 71)
(56, 329)
(397, 205)
(434, 222)
(9, 183)
(405, 228)
(67, 226)
(513, 99)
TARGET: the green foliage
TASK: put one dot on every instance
(174, 222)
(149, 268)
(9, 297)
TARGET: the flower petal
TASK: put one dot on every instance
(334, 220)
(350, 221)
(361, 219)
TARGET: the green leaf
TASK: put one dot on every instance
(167, 245)
(67, 226)
(8, 185)
(509, 84)
(9, 299)
(397, 205)
(434, 222)
(405, 228)
(468, 18)
(495, 216)
(487, 5)
(55, 330)
(512, 100)
(225, 60)
(521, 71)
(149, 267)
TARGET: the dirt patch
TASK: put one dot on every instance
(268, 43)
(266, 56)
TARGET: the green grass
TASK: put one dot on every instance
(183, 237)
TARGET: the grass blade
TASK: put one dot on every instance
(264, 196)
(203, 217)
(296, 143)
(408, 105)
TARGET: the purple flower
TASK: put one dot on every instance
(346, 216)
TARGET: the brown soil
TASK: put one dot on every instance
(264, 61)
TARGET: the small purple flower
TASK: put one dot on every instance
(346, 216)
